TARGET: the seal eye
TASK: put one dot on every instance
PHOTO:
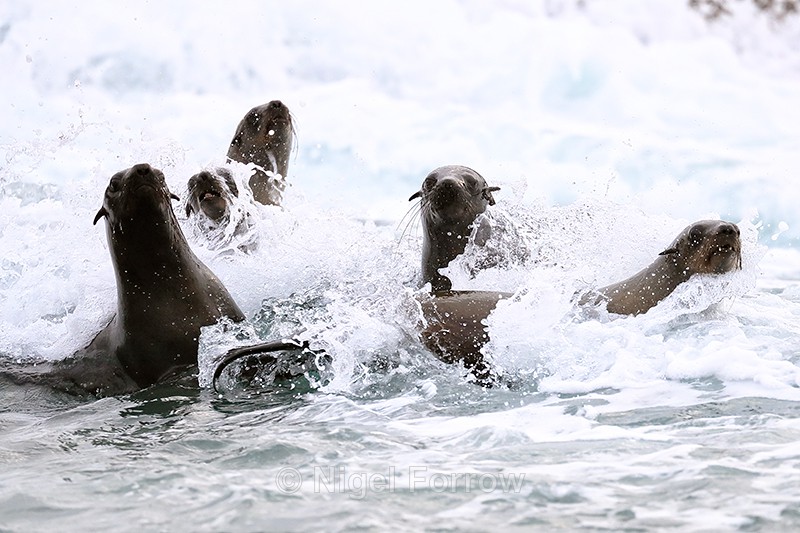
(695, 236)
(470, 182)
(430, 182)
(114, 184)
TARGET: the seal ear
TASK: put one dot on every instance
(669, 251)
(487, 194)
(417, 194)
(174, 196)
(100, 214)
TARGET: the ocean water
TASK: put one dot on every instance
(608, 125)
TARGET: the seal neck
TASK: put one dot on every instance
(150, 259)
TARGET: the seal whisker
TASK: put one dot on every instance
(293, 126)
(412, 215)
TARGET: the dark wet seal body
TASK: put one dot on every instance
(705, 247)
(211, 193)
(452, 197)
(454, 327)
(165, 294)
(264, 137)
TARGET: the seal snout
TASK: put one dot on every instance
(448, 193)
(727, 228)
(277, 109)
(450, 185)
(142, 169)
(728, 237)
(725, 248)
(143, 175)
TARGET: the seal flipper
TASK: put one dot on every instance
(289, 359)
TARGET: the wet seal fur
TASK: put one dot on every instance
(165, 294)
(454, 328)
(704, 247)
(451, 198)
(264, 137)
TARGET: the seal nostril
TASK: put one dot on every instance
(276, 104)
(142, 169)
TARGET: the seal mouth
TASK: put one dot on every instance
(277, 126)
(725, 248)
(725, 256)
(210, 195)
(153, 187)
(280, 119)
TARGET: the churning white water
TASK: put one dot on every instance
(609, 127)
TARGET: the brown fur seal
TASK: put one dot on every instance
(211, 193)
(165, 294)
(705, 247)
(264, 137)
(452, 197)
(454, 327)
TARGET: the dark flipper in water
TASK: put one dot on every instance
(286, 359)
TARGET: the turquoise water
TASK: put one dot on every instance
(464, 458)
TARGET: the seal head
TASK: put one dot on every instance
(211, 193)
(451, 198)
(705, 247)
(264, 138)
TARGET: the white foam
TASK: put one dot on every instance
(608, 129)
